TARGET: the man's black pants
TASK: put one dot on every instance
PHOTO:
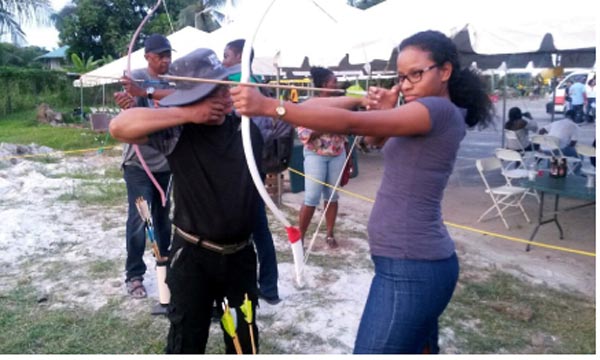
(197, 277)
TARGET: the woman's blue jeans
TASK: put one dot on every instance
(405, 301)
(325, 169)
(139, 184)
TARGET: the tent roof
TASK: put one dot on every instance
(293, 30)
(514, 31)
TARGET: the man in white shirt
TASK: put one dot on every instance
(567, 133)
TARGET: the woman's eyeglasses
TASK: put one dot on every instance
(414, 76)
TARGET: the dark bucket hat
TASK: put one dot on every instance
(201, 63)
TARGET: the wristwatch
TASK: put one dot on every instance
(150, 92)
(280, 110)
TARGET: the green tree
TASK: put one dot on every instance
(105, 27)
(83, 65)
(201, 14)
(12, 55)
(14, 13)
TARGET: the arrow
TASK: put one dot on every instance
(271, 86)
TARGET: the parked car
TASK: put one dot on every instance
(559, 100)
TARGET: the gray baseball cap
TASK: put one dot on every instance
(200, 63)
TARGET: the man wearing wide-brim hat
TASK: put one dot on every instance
(215, 200)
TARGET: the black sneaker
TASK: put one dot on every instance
(271, 300)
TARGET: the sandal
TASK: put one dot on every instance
(331, 242)
(136, 289)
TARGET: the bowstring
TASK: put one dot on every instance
(348, 158)
(335, 188)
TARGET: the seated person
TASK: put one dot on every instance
(566, 131)
(521, 127)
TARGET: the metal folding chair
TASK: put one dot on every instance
(586, 151)
(539, 154)
(550, 144)
(514, 143)
(514, 167)
(503, 197)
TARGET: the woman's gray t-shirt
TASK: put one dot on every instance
(406, 220)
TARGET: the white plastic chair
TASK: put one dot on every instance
(503, 197)
(513, 167)
(586, 151)
(551, 144)
(512, 138)
(539, 155)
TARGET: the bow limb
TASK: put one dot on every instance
(136, 148)
(293, 232)
(137, 33)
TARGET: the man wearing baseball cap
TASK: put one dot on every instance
(145, 91)
(215, 200)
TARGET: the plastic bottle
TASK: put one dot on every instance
(532, 170)
(554, 167)
(562, 169)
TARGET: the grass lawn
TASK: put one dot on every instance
(23, 128)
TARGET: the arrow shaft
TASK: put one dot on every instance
(270, 86)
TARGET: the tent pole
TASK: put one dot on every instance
(553, 83)
(278, 78)
(81, 100)
(504, 88)
(277, 74)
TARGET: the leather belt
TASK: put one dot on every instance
(209, 245)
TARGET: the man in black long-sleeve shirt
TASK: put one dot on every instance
(215, 200)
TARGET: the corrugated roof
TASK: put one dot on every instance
(59, 53)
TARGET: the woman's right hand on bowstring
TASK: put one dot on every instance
(381, 98)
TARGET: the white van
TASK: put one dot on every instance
(559, 101)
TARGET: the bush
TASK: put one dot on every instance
(26, 88)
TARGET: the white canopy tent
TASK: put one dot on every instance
(327, 30)
(388, 23)
(508, 28)
(293, 30)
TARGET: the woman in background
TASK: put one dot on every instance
(324, 158)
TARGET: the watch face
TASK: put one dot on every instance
(280, 110)
(150, 92)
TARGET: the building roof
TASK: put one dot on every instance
(60, 53)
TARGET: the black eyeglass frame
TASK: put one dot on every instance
(415, 76)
